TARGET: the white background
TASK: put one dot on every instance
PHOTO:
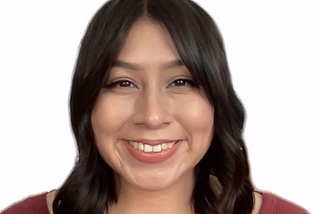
(274, 54)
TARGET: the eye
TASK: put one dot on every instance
(183, 82)
(121, 84)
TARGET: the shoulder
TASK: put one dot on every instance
(273, 204)
(36, 204)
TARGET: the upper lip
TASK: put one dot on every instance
(152, 142)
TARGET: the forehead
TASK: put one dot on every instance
(148, 44)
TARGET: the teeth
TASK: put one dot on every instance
(140, 146)
(148, 148)
(135, 145)
(164, 146)
(170, 145)
(156, 148)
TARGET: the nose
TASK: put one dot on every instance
(152, 110)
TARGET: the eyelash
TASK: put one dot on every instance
(117, 83)
(192, 83)
(130, 84)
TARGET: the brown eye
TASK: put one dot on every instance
(122, 84)
(183, 82)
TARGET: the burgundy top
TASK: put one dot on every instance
(33, 205)
(271, 204)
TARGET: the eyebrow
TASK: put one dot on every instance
(137, 67)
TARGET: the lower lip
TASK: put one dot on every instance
(152, 157)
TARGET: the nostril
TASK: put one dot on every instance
(152, 111)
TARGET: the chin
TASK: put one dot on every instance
(152, 185)
(159, 179)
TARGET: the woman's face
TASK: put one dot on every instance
(151, 124)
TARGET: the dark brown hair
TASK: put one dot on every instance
(90, 187)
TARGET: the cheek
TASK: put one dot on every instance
(108, 117)
(110, 114)
(197, 118)
(197, 114)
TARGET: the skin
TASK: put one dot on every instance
(152, 106)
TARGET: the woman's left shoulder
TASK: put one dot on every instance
(274, 204)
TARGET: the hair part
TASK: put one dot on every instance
(90, 186)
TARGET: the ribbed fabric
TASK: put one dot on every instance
(271, 204)
(33, 205)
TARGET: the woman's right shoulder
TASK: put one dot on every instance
(36, 204)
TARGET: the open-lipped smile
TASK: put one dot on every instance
(152, 151)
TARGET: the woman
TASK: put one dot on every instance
(157, 123)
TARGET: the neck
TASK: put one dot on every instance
(171, 200)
